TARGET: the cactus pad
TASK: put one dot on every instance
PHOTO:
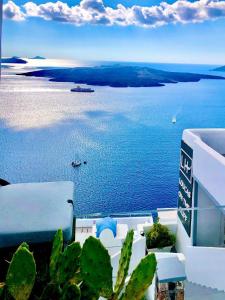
(87, 293)
(71, 291)
(21, 274)
(141, 278)
(51, 292)
(69, 263)
(2, 287)
(56, 254)
(24, 244)
(96, 269)
(124, 263)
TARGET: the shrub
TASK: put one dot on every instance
(159, 236)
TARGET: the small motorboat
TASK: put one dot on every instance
(76, 163)
(174, 120)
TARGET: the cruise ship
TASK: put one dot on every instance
(79, 89)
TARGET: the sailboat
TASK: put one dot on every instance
(174, 120)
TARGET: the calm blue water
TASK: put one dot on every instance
(126, 136)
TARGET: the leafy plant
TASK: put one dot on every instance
(124, 263)
(141, 278)
(78, 274)
(21, 274)
(159, 236)
(57, 248)
(96, 269)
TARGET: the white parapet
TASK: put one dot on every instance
(208, 159)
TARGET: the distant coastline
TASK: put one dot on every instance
(220, 69)
(38, 57)
(118, 76)
(13, 60)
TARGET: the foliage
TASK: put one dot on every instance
(56, 254)
(77, 274)
(2, 287)
(71, 291)
(69, 263)
(96, 269)
(21, 274)
(141, 278)
(51, 292)
(124, 263)
(159, 236)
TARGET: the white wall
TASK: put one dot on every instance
(214, 138)
(209, 172)
(206, 266)
(182, 239)
(208, 164)
(210, 231)
(138, 252)
(132, 222)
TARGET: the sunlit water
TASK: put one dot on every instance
(125, 135)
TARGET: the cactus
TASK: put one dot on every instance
(78, 274)
(2, 288)
(71, 291)
(87, 293)
(21, 274)
(25, 245)
(69, 263)
(56, 254)
(123, 264)
(141, 279)
(51, 292)
(96, 269)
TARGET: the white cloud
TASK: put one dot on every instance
(12, 11)
(95, 12)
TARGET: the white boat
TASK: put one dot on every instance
(174, 120)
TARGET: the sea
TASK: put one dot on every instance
(125, 135)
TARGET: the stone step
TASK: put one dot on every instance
(195, 291)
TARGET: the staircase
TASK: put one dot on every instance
(195, 291)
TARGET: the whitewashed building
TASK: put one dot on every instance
(200, 229)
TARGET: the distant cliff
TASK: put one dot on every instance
(220, 69)
(119, 76)
(38, 57)
(13, 60)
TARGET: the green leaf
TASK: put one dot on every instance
(21, 274)
(87, 293)
(141, 278)
(69, 263)
(124, 263)
(56, 254)
(51, 292)
(2, 288)
(96, 269)
(71, 292)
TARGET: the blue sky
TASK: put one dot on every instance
(194, 36)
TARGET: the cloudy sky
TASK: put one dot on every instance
(121, 30)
